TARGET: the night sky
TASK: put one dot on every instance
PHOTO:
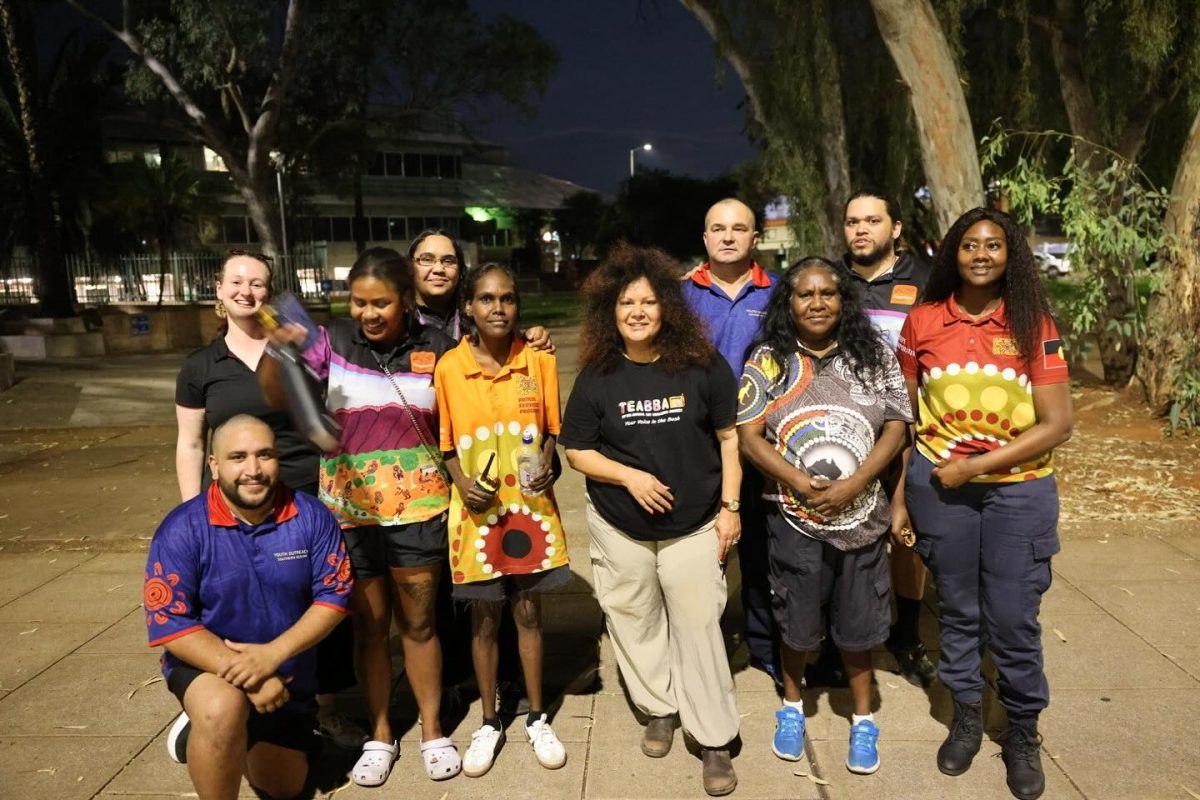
(632, 71)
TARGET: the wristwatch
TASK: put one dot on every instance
(731, 505)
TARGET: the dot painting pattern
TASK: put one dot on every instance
(517, 535)
(977, 408)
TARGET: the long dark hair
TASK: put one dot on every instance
(385, 264)
(468, 291)
(459, 295)
(856, 336)
(681, 342)
(1025, 301)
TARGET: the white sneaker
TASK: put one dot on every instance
(342, 731)
(177, 738)
(549, 750)
(485, 744)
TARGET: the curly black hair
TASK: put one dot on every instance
(1025, 301)
(856, 336)
(681, 342)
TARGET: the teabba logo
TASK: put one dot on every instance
(643, 406)
(652, 407)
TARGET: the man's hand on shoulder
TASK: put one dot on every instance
(251, 664)
(271, 695)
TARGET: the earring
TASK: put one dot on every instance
(220, 310)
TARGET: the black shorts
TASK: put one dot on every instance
(375, 548)
(497, 589)
(807, 576)
(295, 731)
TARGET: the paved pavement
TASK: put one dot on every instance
(86, 464)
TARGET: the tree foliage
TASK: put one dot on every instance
(261, 76)
(657, 209)
(1112, 216)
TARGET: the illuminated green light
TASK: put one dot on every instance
(479, 214)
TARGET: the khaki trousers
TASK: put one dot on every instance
(662, 604)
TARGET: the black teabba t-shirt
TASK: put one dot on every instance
(644, 417)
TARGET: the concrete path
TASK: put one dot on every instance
(86, 460)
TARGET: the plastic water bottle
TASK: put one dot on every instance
(529, 464)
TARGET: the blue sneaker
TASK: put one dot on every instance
(788, 743)
(864, 751)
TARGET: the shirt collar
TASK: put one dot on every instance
(518, 359)
(702, 276)
(220, 515)
(450, 324)
(901, 270)
(952, 313)
(221, 349)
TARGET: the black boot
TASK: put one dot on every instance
(1021, 751)
(966, 734)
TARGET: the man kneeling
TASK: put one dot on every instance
(241, 582)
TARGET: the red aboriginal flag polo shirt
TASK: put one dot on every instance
(975, 391)
(207, 570)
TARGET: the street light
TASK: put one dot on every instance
(633, 150)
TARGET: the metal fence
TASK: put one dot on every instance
(187, 278)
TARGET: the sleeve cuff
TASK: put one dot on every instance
(177, 635)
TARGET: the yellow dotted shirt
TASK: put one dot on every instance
(484, 417)
(975, 391)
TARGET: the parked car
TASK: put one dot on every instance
(1054, 258)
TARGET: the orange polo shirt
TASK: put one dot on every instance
(975, 391)
(481, 416)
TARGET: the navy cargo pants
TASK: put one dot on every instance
(988, 546)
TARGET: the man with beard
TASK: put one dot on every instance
(891, 283)
(729, 292)
(241, 582)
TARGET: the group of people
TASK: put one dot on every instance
(840, 427)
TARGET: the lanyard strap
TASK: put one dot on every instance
(433, 452)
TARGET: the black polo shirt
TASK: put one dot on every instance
(217, 381)
(888, 299)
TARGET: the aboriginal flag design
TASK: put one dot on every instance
(1053, 354)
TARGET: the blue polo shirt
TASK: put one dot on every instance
(733, 322)
(207, 570)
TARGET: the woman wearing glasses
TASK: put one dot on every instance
(439, 266)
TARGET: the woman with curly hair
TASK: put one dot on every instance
(984, 366)
(650, 423)
(822, 412)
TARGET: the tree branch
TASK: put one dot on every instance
(213, 135)
(719, 31)
(263, 131)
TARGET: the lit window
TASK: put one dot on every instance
(213, 162)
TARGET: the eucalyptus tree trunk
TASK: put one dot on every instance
(1171, 348)
(922, 55)
(835, 159)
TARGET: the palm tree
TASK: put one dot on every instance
(160, 202)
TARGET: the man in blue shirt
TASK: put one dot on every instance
(241, 582)
(729, 292)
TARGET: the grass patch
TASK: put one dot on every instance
(551, 309)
